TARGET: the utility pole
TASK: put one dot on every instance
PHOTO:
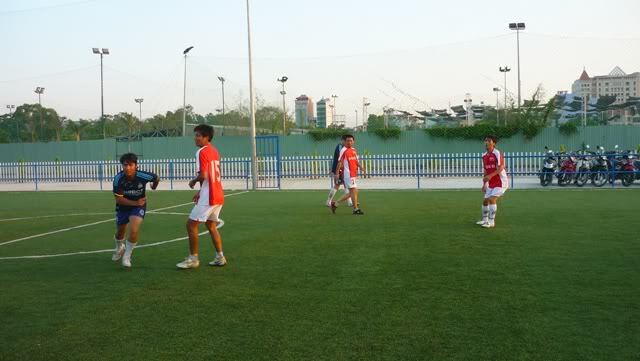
(283, 80)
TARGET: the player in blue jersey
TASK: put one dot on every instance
(131, 205)
(337, 181)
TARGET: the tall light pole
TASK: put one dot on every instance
(283, 80)
(40, 91)
(505, 70)
(517, 27)
(139, 101)
(102, 52)
(184, 94)
(11, 107)
(468, 102)
(356, 120)
(252, 103)
(222, 80)
(497, 91)
(333, 108)
(365, 104)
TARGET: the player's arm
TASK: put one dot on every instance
(155, 182)
(122, 201)
(203, 171)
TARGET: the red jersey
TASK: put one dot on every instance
(491, 162)
(349, 159)
(208, 161)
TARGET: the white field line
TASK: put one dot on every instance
(55, 216)
(95, 223)
(98, 251)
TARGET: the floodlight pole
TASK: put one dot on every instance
(254, 157)
(11, 107)
(184, 94)
(517, 27)
(505, 70)
(222, 80)
(497, 91)
(283, 80)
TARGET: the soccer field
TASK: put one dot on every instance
(413, 279)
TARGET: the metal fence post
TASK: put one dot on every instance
(35, 174)
(171, 173)
(513, 171)
(101, 173)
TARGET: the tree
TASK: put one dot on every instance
(375, 122)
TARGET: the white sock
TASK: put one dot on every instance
(493, 209)
(485, 213)
(332, 194)
(128, 248)
(194, 257)
(219, 254)
(119, 242)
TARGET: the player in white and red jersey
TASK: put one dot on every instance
(495, 181)
(349, 164)
(209, 199)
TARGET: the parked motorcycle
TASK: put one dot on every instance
(583, 166)
(599, 167)
(548, 168)
(568, 169)
(628, 175)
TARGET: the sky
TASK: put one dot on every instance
(405, 54)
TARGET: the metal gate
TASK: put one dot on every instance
(268, 157)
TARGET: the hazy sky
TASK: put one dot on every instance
(407, 54)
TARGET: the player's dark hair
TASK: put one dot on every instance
(129, 158)
(204, 130)
(347, 136)
(492, 137)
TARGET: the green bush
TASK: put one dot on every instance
(568, 128)
(324, 134)
(388, 133)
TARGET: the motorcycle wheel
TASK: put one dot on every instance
(582, 179)
(599, 178)
(563, 179)
(545, 179)
(627, 180)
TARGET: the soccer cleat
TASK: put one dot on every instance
(126, 262)
(118, 252)
(328, 203)
(218, 262)
(333, 207)
(481, 222)
(188, 263)
(489, 225)
(358, 212)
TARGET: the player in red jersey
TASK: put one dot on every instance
(349, 164)
(209, 199)
(495, 181)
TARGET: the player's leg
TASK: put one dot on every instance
(485, 211)
(493, 208)
(122, 219)
(198, 215)
(134, 230)
(332, 192)
(354, 197)
(345, 191)
(216, 238)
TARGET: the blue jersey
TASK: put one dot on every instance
(336, 158)
(133, 189)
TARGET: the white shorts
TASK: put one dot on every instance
(350, 182)
(205, 213)
(494, 192)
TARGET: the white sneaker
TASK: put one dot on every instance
(126, 262)
(481, 222)
(350, 203)
(188, 263)
(218, 262)
(489, 225)
(118, 252)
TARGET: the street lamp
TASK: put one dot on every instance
(284, 109)
(333, 108)
(468, 101)
(222, 80)
(40, 91)
(356, 120)
(497, 91)
(252, 103)
(184, 95)
(365, 104)
(102, 52)
(517, 27)
(505, 70)
(11, 107)
(139, 101)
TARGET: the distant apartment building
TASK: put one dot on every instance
(324, 113)
(304, 111)
(617, 83)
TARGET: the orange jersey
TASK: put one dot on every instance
(208, 161)
(349, 159)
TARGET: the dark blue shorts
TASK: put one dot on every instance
(122, 216)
